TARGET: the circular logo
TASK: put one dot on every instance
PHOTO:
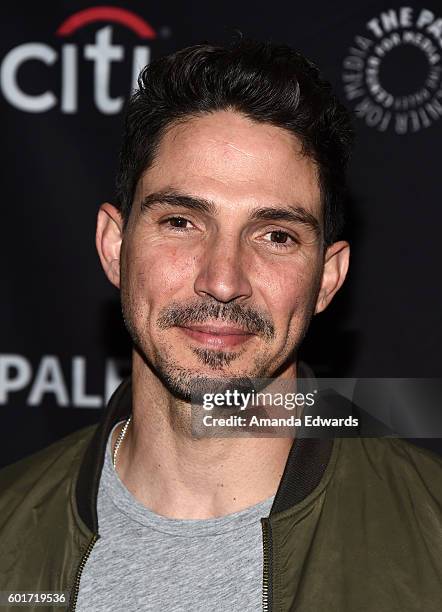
(392, 72)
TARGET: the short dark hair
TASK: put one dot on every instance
(265, 82)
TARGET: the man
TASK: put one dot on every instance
(226, 240)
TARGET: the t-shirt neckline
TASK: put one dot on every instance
(127, 503)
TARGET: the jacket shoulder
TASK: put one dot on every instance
(397, 466)
(386, 452)
(40, 472)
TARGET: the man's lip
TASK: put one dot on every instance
(219, 330)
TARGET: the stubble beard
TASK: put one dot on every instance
(187, 384)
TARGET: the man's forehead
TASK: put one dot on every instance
(226, 157)
(236, 136)
(234, 133)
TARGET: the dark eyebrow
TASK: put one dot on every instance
(292, 214)
(173, 198)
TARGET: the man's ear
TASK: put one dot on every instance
(108, 238)
(337, 258)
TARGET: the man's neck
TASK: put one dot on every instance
(179, 476)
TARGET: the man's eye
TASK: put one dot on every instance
(281, 239)
(176, 222)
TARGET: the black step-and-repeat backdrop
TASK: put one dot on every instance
(66, 69)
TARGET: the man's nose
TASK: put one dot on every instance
(224, 271)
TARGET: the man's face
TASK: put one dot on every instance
(222, 258)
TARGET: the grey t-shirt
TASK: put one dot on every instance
(147, 562)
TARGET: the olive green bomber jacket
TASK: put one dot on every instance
(356, 525)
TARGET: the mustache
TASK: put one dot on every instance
(251, 319)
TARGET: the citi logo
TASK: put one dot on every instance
(102, 53)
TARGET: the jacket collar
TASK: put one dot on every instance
(86, 492)
(306, 462)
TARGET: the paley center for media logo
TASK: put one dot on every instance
(68, 59)
(392, 71)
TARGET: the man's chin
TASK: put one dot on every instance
(189, 384)
(214, 362)
(195, 388)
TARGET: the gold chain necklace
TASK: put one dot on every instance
(120, 440)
